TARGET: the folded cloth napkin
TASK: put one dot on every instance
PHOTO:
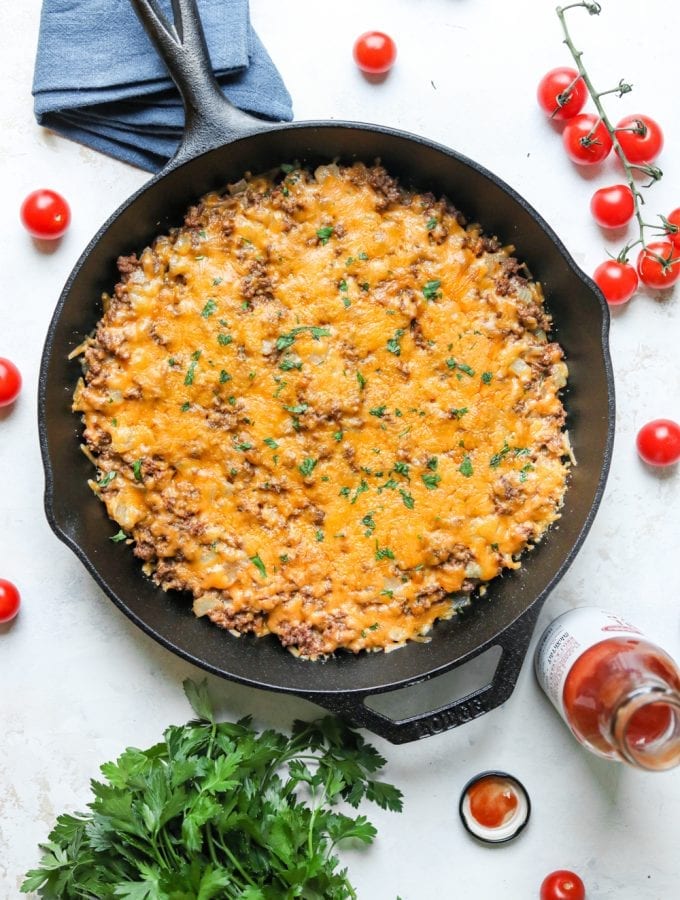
(99, 80)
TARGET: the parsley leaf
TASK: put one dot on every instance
(324, 234)
(259, 565)
(393, 344)
(465, 467)
(431, 480)
(209, 308)
(307, 466)
(287, 340)
(431, 290)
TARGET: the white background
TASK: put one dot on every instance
(78, 682)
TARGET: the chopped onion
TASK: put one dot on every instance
(238, 187)
(519, 367)
(321, 173)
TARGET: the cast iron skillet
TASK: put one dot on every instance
(220, 144)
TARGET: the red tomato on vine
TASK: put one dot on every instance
(641, 138)
(586, 140)
(618, 281)
(561, 93)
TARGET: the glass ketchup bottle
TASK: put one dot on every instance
(618, 692)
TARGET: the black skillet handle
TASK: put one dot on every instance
(514, 643)
(210, 119)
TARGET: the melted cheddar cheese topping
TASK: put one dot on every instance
(326, 408)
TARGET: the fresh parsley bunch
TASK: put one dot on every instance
(218, 810)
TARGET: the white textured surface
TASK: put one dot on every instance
(78, 683)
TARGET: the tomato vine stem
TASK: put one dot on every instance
(622, 88)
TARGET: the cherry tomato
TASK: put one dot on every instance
(10, 382)
(563, 885)
(618, 281)
(10, 601)
(674, 236)
(613, 206)
(561, 93)
(375, 52)
(641, 138)
(658, 265)
(45, 214)
(586, 140)
(658, 442)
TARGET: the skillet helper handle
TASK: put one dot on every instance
(210, 119)
(514, 643)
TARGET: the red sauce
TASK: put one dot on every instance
(492, 801)
(602, 676)
(648, 724)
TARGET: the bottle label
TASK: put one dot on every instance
(565, 639)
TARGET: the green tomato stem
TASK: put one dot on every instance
(628, 167)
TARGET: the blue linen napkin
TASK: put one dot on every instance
(99, 80)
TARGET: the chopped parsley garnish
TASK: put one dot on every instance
(319, 535)
(382, 553)
(107, 479)
(287, 168)
(224, 339)
(402, 469)
(465, 468)
(363, 487)
(298, 409)
(290, 362)
(393, 344)
(186, 406)
(524, 471)
(137, 469)
(337, 435)
(431, 223)
(361, 380)
(389, 485)
(324, 234)
(458, 413)
(259, 565)
(378, 411)
(224, 376)
(191, 371)
(369, 524)
(409, 502)
(270, 442)
(497, 458)
(387, 593)
(362, 256)
(307, 466)
(283, 558)
(454, 364)
(365, 286)
(172, 361)
(231, 400)
(346, 302)
(431, 290)
(432, 463)
(349, 261)
(117, 538)
(342, 286)
(243, 446)
(431, 480)
(217, 281)
(209, 308)
(487, 377)
(287, 340)
(344, 492)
